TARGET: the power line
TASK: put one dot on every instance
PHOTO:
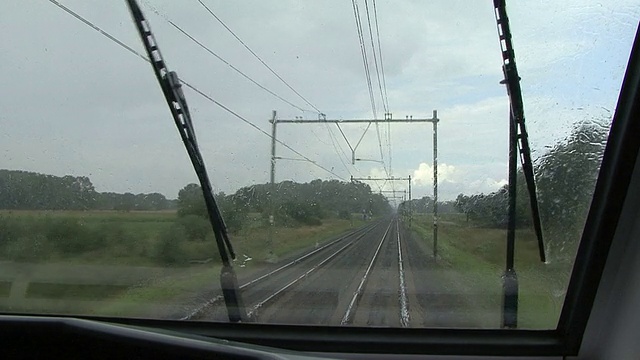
(211, 52)
(258, 57)
(384, 81)
(381, 152)
(335, 148)
(375, 57)
(233, 67)
(363, 51)
(198, 91)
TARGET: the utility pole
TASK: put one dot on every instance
(272, 186)
(410, 204)
(435, 185)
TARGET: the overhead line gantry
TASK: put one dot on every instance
(322, 119)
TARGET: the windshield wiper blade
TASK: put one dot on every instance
(172, 90)
(512, 80)
(518, 139)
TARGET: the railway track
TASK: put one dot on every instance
(287, 274)
(357, 279)
(380, 275)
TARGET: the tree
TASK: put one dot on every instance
(566, 177)
(33, 191)
(191, 201)
(233, 208)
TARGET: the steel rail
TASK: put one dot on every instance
(195, 313)
(348, 316)
(277, 293)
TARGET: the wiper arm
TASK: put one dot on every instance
(172, 90)
(512, 80)
(518, 139)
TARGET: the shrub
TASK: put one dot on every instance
(234, 219)
(10, 230)
(169, 248)
(114, 234)
(29, 248)
(70, 236)
(344, 215)
(303, 213)
(195, 227)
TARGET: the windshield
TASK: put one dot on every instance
(358, 152)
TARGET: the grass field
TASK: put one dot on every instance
(478, 257)
(131, 245)
(119, 260)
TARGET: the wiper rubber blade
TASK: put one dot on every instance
(172, 90)
(512, 81)
(518, 140)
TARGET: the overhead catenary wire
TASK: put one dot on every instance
(233, 67)
(335, 144)
(384, 166)
(375, 57)
(384, 80)
(211, 52)
(257, 57)
(380, 86)
(367, 69)
(335, 148)
(363, 51)
(192, 87)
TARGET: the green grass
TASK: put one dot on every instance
(73, 291)
(286, 240)
(172, 291)
(130, 239)
(5, 288)
(478, 254)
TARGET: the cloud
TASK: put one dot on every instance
(487, 185)
(100, 112)
(423, 175)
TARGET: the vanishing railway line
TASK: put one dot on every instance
(357, 279)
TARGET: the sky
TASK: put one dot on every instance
(74, 102)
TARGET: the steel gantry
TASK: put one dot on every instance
(388, 118)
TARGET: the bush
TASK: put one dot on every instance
(303, 213)
(169, 248)
(234, 219)
(344, 215)
(70, 236)
(10, 230)
(195, 227)
(114, 234)
(29, 248)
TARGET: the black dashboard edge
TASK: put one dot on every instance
(97, 332)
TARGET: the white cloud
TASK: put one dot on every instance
(101, 113)
(423, 176)
(486, 185)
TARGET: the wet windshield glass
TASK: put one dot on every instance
(358, 153)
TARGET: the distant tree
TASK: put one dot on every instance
(33, 191)
(233, 208)
(463, 204)
(191, 201)
(566, 177)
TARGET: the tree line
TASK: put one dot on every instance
(565, 180)
(25, 190)
(287, 203)
(424, 205)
